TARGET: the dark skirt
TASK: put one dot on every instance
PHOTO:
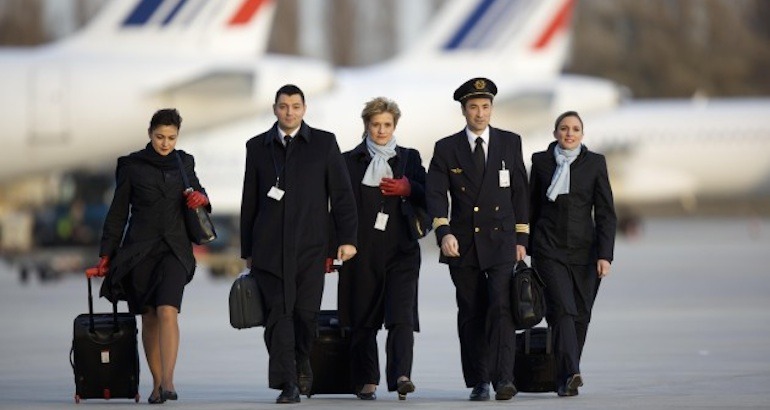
(158, 279)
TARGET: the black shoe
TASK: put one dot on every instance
(403, 387)
(289, 394)
(159, 399)
(570, 387)
(168, 395)
(367, 396)
(304, 377)
(505, 390)
(480, 392)
(372, 395)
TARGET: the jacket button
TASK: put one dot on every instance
(476, 229)
(497, 208)
(475, 209)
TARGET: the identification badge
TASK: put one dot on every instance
(505, 178)
(105, 356)
(275, 193)
(381, 222)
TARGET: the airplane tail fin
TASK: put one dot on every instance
(219, 27)
(529, 35)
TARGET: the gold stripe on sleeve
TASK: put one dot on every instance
(437, 222)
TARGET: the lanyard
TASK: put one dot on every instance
(278, 170)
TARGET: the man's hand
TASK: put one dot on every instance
(395, 187)
(345, 252)
(521, 252)
(603, 267)
(449, 246)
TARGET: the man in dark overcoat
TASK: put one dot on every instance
(294, 173)
(483, 170)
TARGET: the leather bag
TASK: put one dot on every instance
(527, 296)
(245, 302)
(200, 229)
(420, 223)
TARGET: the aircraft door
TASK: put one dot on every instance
(49, 103)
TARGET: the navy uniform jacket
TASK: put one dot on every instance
(492, 218)
(579, 227)
(291, 236)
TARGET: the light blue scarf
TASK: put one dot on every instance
(379, 167)
(560, 180)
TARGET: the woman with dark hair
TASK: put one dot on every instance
(149, 265)
(379, 285)
(572, 240)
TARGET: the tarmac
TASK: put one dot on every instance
(683, 322)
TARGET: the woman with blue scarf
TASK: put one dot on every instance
(572, 240)
(379, 285)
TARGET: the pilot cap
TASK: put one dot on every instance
(476, 88)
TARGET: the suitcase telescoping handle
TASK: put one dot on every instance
(91, 326)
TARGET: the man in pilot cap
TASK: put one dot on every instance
(483, 170)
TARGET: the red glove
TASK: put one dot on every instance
(101, 268)
(196, 199)
(395, 187)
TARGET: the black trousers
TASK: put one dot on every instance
(570, 294)
(485, 323)
(365, 364)
(288, 335)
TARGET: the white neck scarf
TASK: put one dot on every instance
(379, 167)
(560, 180)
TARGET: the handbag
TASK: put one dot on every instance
(527, 296)
(245, 302)
(417, 216)
(200, 229)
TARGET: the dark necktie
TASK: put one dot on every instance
(478, 157)
(287, 140)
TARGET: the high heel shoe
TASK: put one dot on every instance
(404, 386)
(372, 395)
(170, 395)
(159, 399)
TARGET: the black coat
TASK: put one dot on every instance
(484, 215)
(291, 236)
(579, 227)
(360, 291)
(147, 204)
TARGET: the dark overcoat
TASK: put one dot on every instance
(579, 227)
(353, 276)
(491, 218)
(147, 205)
(292, 235)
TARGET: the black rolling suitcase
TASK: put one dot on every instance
(330, 356)
(534, 370)
(104, 354)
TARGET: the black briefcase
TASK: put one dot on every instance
(246, 304)
(330, 357)
(534, 370)
(104, 355)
